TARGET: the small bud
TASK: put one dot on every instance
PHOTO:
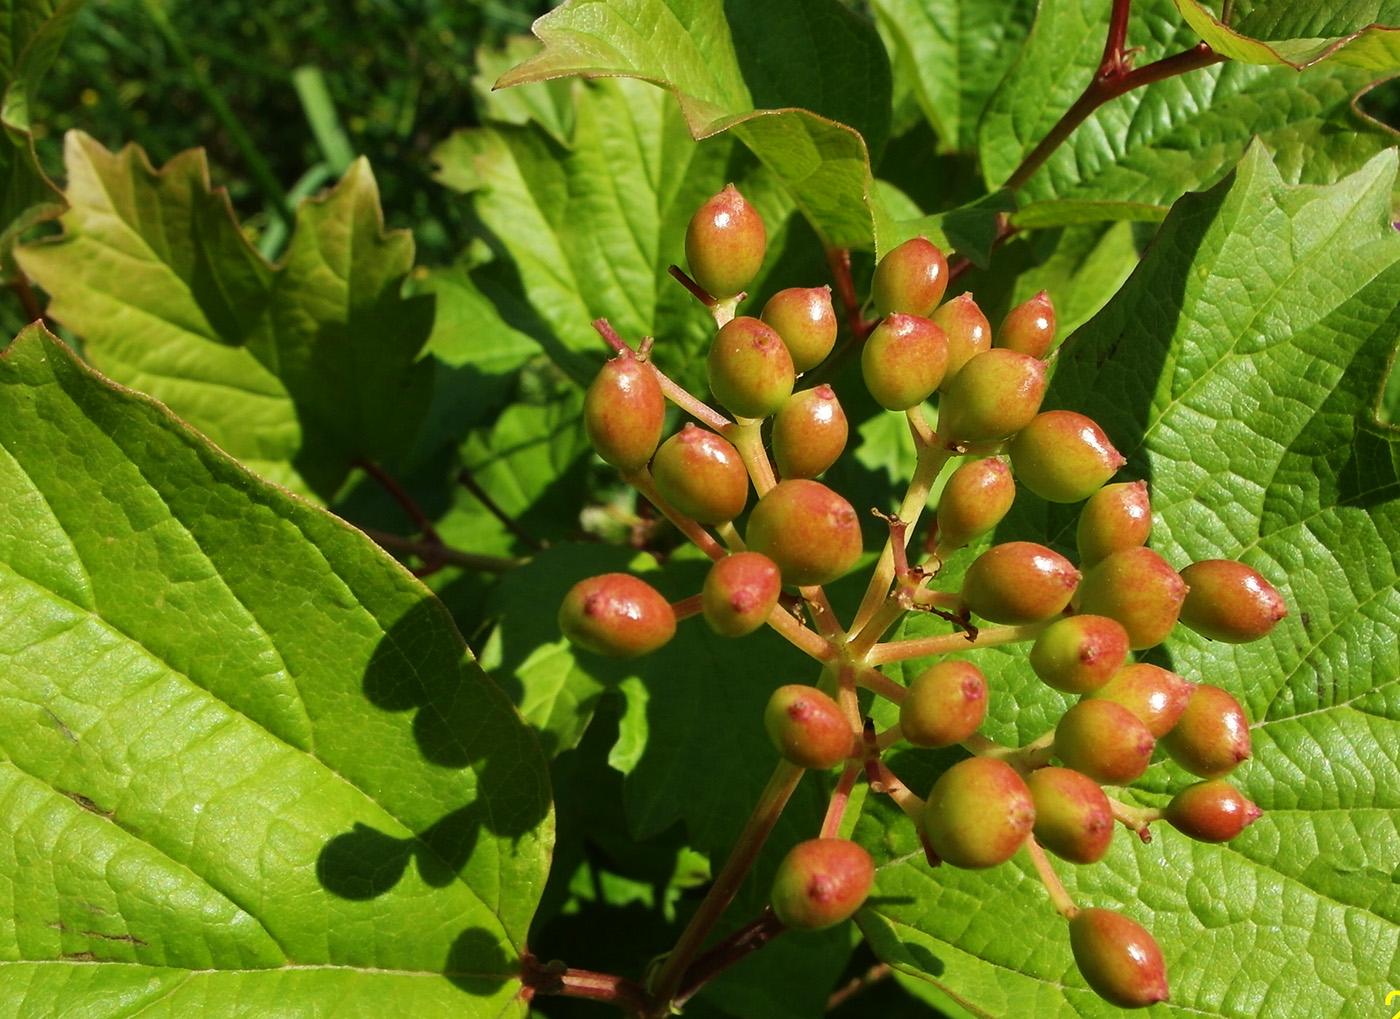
(1029, 328)
(616, 615)
(1079, 654)
(1230, 602)
(1115, 517)
(750, 370)
(978, 813)
(1062, 456)
(1211, 738)
(903, 361)
(1118, 958)
(1156, 695)
(623, 412)
(1019, 582)
(911, 278)
(805, 319)
(702, 475)
(967, 330)
(974, 500)
(740, 592)
(945, 704)
(807, 727)
(1211, 811)
(1073, 818)
(1104, 740)
(996, 394)
(1138, 588)
(821, 882)
(808, 530)
(724, 244)
(809, 433)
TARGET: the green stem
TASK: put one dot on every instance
(642, 482)
(747, 436)
(1059, 897)
(950, 643)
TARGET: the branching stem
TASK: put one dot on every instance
(1059, 897)
(950, 643)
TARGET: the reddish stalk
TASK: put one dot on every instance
(431, 538)
(745, 941)
(429, 551)
(674, 393)
(467, 480)
(695, 289)
(1059, 897)
(840, 798)
(556, 978)
(880, 971)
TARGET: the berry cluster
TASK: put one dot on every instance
(1082, 620)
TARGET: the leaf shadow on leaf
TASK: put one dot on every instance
(475, 962)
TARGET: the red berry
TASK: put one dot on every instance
(702, 475)
(1104, 740)
(808, 530)
(903, 361)
(1211, 811)
(945, 704)
(750, 370)
(616, 615)
(974, 500)
(1073, 818)
(725, 244)
(1115, 517)
(967, 330)
(1156, 695)
(978, 813)
(805, 319)
(1138, 588)
(1230, 602)
(821, 882)
(1079, 654)
(623, 412)
(1062, 456)
(1118, 958)
(910, 278)
(996, 394)
(1029, 328)
(807, 727)
(1019, 582)
(1211, 738)
(740, 592)
(809, 433)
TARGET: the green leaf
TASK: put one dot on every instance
(1147, 148)
(1238, 370)
(1365, 35)
(804, 83)
(298, 370)
(248, 764)
(956, 51)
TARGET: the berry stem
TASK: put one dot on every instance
(1135, 819)
(1059, 897)
(696, 291)
(823, 615)
(555, 978)
(879, 684)
(950, 643)
(726, 885)
(886, 616)
(882, 780)
(919, 427)
(839, 259)
(687, 607)
(808, 641)
(743, 942)
(695, 408)
(729, 534)
(840, 798)
(747, 436)
(642, 482)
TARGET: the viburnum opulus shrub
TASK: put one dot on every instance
(900, 516)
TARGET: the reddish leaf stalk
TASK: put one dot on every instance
(434, 551)
(468, 481)
(695, 289)
(555, 978)
(743, 942)
(840, 798)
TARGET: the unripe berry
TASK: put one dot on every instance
(616, 615)
(739, 593)
(1138, 588)
(1211, 811)
(1062, 456)
(903, 361)
(805, 319)
(1156, 695)
(1230, 602)
(1079, 654)
(945, 704)
(809, 433)
(807, 727)
(978, 813)
(996, 394)
(1115, 517)
(1019, 582)
(910, 278)
(1029, 328)
(1118, 958)
(821, 882)
(1212, 735)
(702, 475)
(750, 370)
(623, 412)
(1104, 740)
(807, 529)
(1073, 818)
(724, 244)
(967, 330)
(974, 500)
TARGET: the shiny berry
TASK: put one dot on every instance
(724, 244)
(996, 394)
(1211, 738)
(1104, 740)
(1118, 958)
(1156, 695)
(1228, 601)
(807, 727)
(1062, 456)
(740, 592)
(1115, 517)
(1018, 582)
(821, 882)
(1029, 328)
(903, 361)
(616, 615)
(910, 278)
(1073, 818)
(808, 530)
(975, 498)
(1211, 811)
(805, 319)
(623, 412)
(809, 433)
(967, 330)
(1138, 588)
(750, 370)
(702, 475)
(1079, 654)
(945, 704)
(978, 813)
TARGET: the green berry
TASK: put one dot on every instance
(702, 475)
(1138, 588)
(1079, 654)
(1073, 818)
(807, 727)
(805, 319)
(975, 498)
(725, 244)
(1228, 601)
(1118, 958)
(616, 615)
(821, 882)
(911, 278)
(1019, 582)
(1211, 811)
(967, 330)
(1211, 738)
(750, 369)
(1062, 456)
(1115, 517)
(978, 813)
(1105, 741)
(808, 530)
(1156, 695)
(809, 433)
(945, 704)
(740, 592)
(1029, 328)
(903, 361)
(997, 393)
(623, 412)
